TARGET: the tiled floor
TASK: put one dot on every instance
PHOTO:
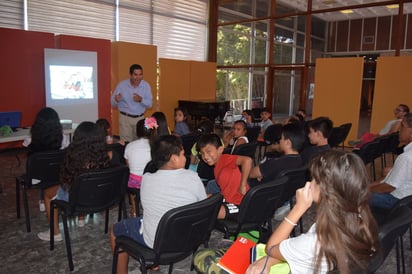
(23, 252)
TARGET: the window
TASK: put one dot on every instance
(178, 28)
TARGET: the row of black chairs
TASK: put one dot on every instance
(378, 149)
(338, 135)
(92, 192)
(391, 232)
(255, 213)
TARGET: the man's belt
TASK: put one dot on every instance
(130, 115)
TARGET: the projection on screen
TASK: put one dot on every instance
(71, 83)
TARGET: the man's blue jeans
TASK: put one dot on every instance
(383, 200)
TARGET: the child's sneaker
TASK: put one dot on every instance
(42, 207)
(45, 236)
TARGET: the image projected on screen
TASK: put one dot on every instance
(71, 82)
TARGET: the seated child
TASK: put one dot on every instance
(137, 155)
(181, 126)
(319, 132)
(236, 136)
(231, 181)
(247, 116)
(170, 187)
(266, 121)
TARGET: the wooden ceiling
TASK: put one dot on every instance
(371, 8)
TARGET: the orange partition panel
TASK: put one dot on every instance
(125, 54)
(337, 92)
(184, 80)
(174, 85)
(202, 80)
(393, 84)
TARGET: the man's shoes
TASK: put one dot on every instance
(45, 236)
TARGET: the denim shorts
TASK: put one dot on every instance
(132, 228)
(62, 194)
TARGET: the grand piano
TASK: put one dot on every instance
(209, 109)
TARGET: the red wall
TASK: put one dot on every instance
(22, 69)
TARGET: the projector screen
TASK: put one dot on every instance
(71, 84)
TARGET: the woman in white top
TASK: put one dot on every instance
(137, 155)
(345, 234)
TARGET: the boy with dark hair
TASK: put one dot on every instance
(290, 143)
(319, 130)
(170, 187)
(266, 121)
(232, 181)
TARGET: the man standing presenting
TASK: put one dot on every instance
(132, 97)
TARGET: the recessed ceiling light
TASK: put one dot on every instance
(394, 6)
(346, 11)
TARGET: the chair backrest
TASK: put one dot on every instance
(272, 134)
(119, 150)
(369, 151)
(296, 179)
(97, 190)
(389, 232)
(188, 141)
(339, 134)
(184, 228)
(44, 166)
(150, 167)
(247, 149)
(261, 201)
(393, 143)
(346, 129)
(253, 133)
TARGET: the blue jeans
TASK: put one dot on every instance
(212, 187)
(383, 200)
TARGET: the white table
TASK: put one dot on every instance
(23, 133)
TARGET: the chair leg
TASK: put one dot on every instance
(170, 268)
(119, 216)
(106, 225)
(67, 240)
(398, 267)
(51, 224)
(402, 255)
(124, 209)
(26, 208)
(137, 202)
(18, 198)
(115, 258)
(410, 237)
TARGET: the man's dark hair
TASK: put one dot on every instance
(163, 148)
(322, 124)
(208, 139)
(295, 134)
(133, 67)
